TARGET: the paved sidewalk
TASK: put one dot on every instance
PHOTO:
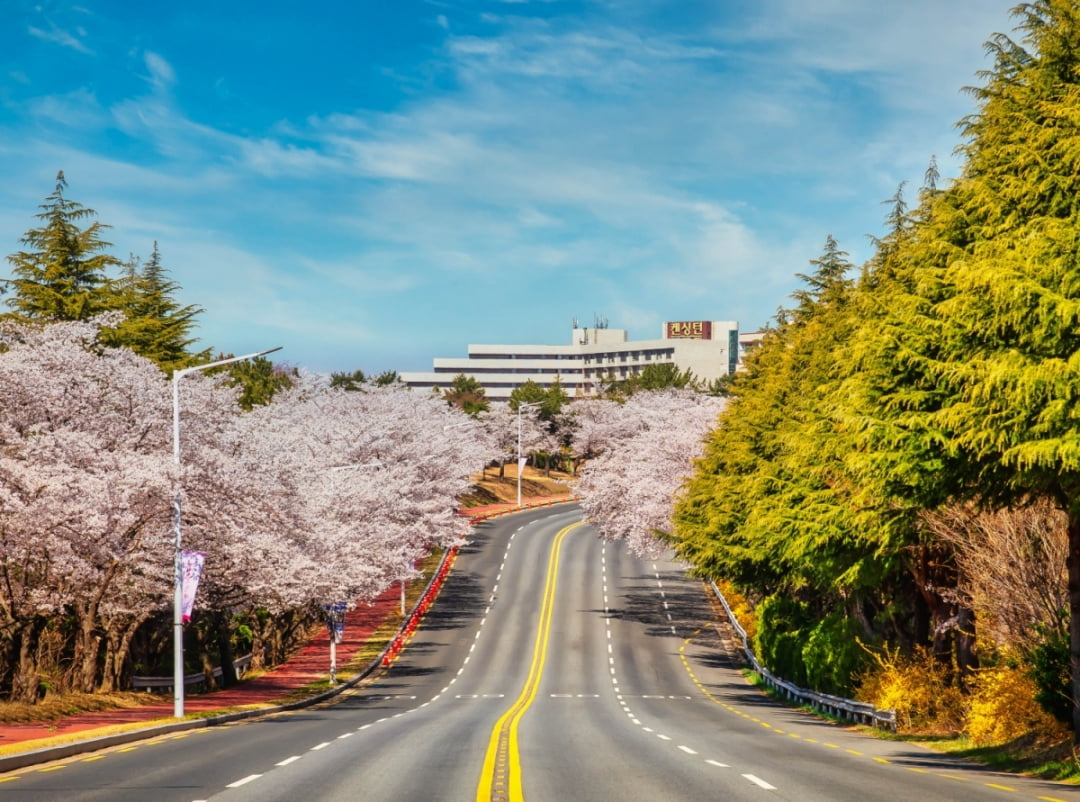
(310, 664)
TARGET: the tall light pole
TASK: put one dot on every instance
(178, 566)
(521, 407)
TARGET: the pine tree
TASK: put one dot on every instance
(259, 380)
(62, 275)
(352, 382)
(467, 394)
(386, 378)
(155, 325)
(983, 307)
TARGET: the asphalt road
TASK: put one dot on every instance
(553, 667)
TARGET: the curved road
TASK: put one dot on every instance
(553, 667)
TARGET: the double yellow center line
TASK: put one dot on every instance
(501, 776)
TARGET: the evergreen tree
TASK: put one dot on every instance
(770, 503)
(658, 376)
(155, 325)
(259, 380)
(386, 378)
(467, 394)
(551, 400)
(348, 381)
(977, 380)
(62, 274)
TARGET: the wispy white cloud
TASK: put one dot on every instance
(65, 38)
(79, 108)
(161, 74)
(611, 160)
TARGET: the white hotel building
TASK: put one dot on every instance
(708, 348)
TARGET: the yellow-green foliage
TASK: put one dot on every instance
(919, 688)
(1002, 707)
(740, 607)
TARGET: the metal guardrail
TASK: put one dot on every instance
(165, 684)
(861, 712)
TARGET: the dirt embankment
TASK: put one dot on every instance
(488, 488)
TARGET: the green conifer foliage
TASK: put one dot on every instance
(353, 382)
(769, 505)
(467, 393)
(976, 363)
(155, 325)
(260, 380)
(62, 274)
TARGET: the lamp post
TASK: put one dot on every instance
(521, 407)
(178, 567)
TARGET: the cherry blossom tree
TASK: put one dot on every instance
(372, 477)
(600, 423)
(321, 495)
(628, 490)
(84, 493)
(501, 424)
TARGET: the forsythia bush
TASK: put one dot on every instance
(917, 687)
(740, 607)
(1002, 707)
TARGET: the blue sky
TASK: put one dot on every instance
(372, 184)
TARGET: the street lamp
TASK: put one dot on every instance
(178, 567)
(521, 407)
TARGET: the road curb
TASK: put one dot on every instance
(48, 754)
(21, 760)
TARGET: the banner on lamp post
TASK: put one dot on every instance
(335, 621)
(191, 563)
(521, 463)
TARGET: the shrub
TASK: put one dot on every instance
(918, 687)
(1003, 707)
(780, 636)
(1050, 672)
(832, 654)
(740, 608)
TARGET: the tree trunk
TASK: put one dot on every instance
(224, 639)
(210, 682)
(1074, 614)
(87, 646)
(967, 661)
(118, 637)
(26, 681)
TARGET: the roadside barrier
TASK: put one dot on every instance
(860, 712)
(512, 508)
(404, 635)
(165, 684)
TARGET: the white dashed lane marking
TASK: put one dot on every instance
(244, 781)
(626, 707)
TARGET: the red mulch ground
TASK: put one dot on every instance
(310, 664)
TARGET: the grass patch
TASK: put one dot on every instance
(54, 708)
(1031, 755)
